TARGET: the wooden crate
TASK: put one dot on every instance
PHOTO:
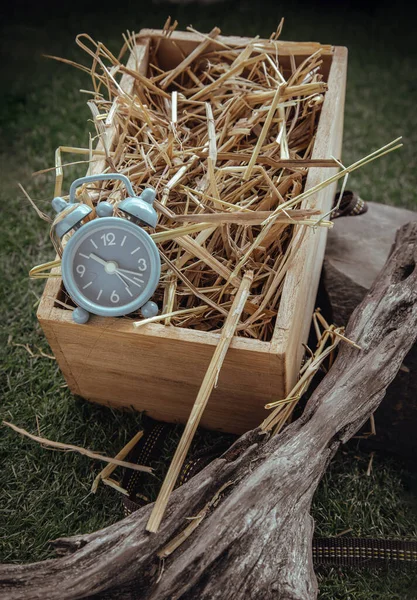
(159, 369)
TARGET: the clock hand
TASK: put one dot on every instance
(105, 263)
(124, 283)
(98, 259)
(110, 266)
(137, 273)
(119, 274)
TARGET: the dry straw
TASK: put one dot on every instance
(72, 448)
(226, 138)
(209, 382)
(104, 475)
(328, 338)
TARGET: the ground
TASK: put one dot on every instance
(46, 494)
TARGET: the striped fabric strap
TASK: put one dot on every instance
(362, 551)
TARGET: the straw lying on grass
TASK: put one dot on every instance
(79, 449)
(105, 473)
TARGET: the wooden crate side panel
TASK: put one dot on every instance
(49, 294)
(301, 283)
(52, 334)
(124, 325)
(163, 375)
(180, 43)
(47, 316)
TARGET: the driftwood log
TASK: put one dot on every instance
(356, 251)
(255, 542)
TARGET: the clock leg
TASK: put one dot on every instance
(149, 309)
(80, 315)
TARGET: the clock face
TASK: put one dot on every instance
(110, 266)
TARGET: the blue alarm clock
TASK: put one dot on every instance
(110, 265)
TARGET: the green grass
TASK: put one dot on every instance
(45, 494)
(382, 505)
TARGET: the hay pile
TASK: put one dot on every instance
(226, 139)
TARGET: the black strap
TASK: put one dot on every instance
(350, 205)
(145, 452)
(362, 552)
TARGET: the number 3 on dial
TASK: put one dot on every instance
(142, 266)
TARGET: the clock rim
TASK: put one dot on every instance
(68, 260)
